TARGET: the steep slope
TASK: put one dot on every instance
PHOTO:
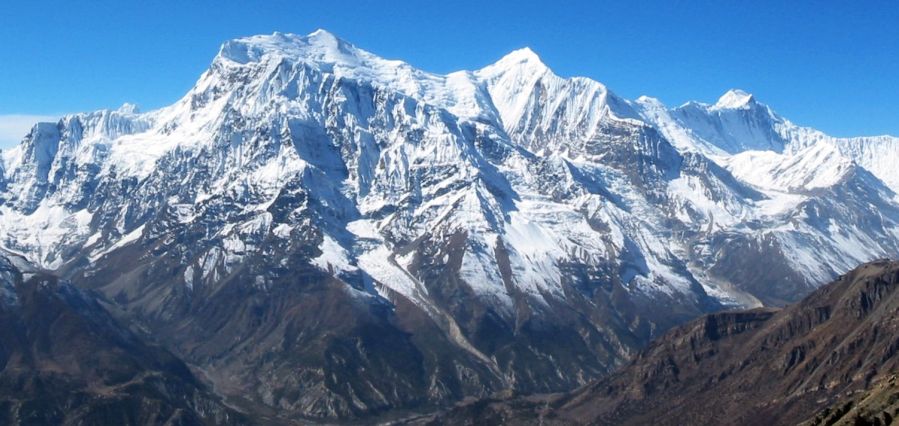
(878, 406)
(65, 361)
(332, 234)
(754, 367)
(815, 191)
(323, 239)
(738, 123)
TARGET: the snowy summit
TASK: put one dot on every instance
(305, 179)
(734, 99)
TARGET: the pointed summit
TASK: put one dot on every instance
(320, 32)
(524, 56)
(734, 99)
(521, 60)
(324, 37)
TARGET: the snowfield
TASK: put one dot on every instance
(505, 177)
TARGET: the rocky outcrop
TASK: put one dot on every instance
(834, 353)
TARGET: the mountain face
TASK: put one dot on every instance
(834, 354)
(64, 360)
(331, 234)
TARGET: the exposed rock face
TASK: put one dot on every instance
(330, 234)
(837, 348)
(64, 360)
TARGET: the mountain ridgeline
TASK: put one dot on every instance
(331, 235)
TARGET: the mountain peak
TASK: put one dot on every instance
(319, 45)
(128, 108)
(734, 99)
(320, 32)
(525, 54)
(523, 58)
(324, 38)
(650, 101)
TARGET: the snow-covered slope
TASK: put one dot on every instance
(815, 166)
(738, 123)
(487, 214)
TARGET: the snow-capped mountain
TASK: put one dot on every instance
(332, 233)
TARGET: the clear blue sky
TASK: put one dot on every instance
(833, 65)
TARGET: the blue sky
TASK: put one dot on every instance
(833, 65)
